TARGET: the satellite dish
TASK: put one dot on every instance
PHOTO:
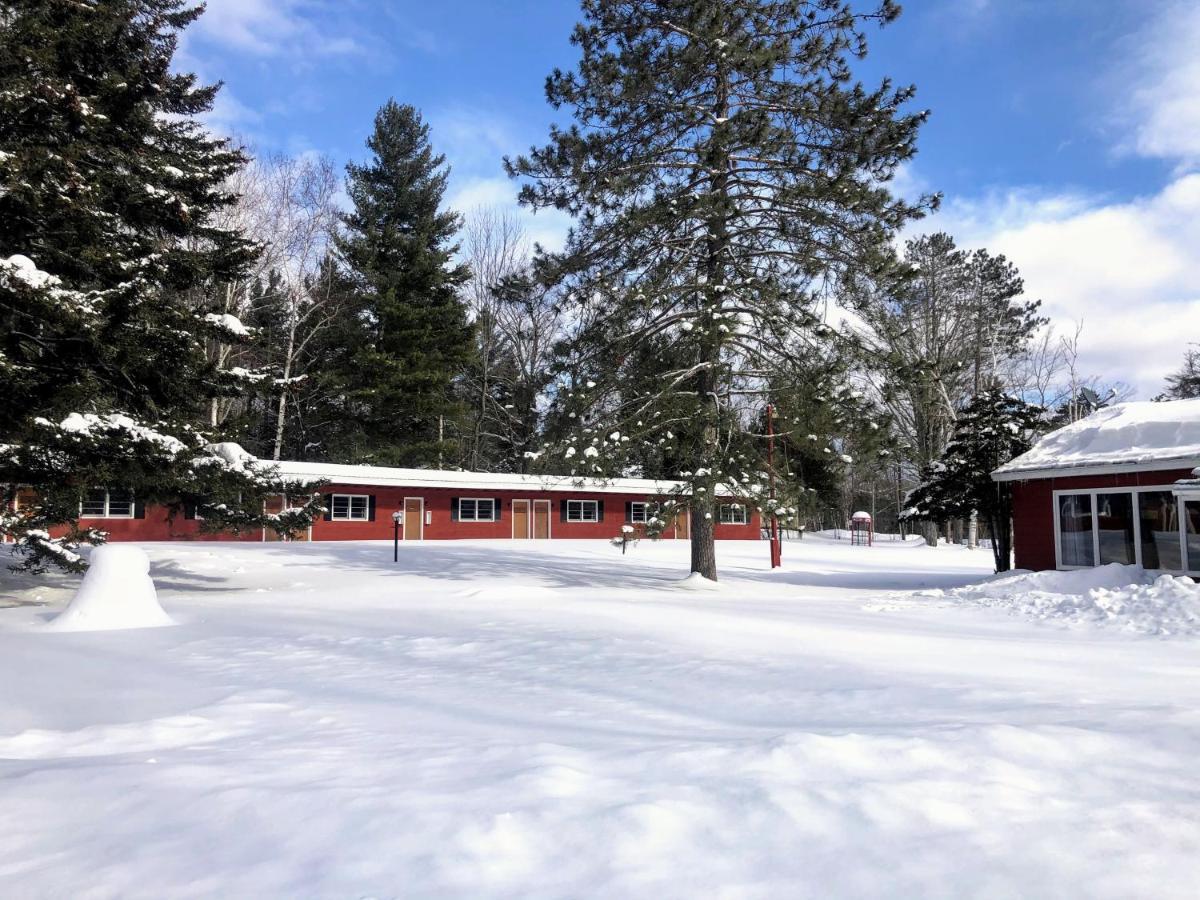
(1090, 396)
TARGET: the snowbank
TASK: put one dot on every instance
(116, 592)
(1137, 432)
(1125, 597)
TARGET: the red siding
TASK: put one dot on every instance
(442, 527)
(156, 527)
(1033, 509)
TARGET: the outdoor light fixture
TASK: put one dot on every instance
(397, 518)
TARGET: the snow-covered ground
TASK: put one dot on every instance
(556, 720)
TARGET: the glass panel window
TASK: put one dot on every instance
(732, 514)
(1191, 529)
(95, 504)
(1075, 530)
(474, 510)
(639, 513)
(1114, 521)
(583, 511)
(120, 504)
(1158, 515)
(350, 507)
(99, 503)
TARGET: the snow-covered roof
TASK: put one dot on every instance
(483, 481)
(1132, 436)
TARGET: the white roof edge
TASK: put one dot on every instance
(387, 476)
(1078, 471)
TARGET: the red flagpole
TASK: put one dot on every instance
(776, 549)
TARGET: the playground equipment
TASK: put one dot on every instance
(862, 529)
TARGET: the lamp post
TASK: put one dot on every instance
(397, 518)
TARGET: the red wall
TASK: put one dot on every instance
(156, 527)
(1033, 509)
(442, 527)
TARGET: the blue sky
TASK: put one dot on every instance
(1064, 133)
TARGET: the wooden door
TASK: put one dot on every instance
(520, 517)
(273, 506)
(541, 519)
(683, 522)
(414, 518)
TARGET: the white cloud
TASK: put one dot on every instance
(547, 227)
(1129, 270)
(273, 28)
(1162, 86)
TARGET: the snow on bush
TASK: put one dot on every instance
(117, 592)
(1126, 597)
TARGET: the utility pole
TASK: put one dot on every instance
(776, 550)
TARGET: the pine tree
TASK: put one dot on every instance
(107, 188)
(723, 166)
(991, 430)
(399, 248)
(1185, 383)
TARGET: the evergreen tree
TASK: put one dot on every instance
(415, 340)
(107, 189)
(1185, 383)
(992, 429)
(723, 165)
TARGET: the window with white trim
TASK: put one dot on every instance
(473, 509)
(1147, 526)
(583, 511)
(99, 503)
(350, 507)
(732, 514)
(640, 513)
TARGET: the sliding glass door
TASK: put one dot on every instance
(1149, 527)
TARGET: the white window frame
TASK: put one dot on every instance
(582, 506)
(108, 514)
(724, 518)
(350, 516)
(1137, 524)
(642, 508)
(475, 516)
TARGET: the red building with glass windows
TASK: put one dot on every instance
(438, 505)
(1119, 486)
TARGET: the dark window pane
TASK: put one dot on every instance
(1075, 530)
(94, 503)
(1191, 525)
(120, 503)
(1159, 515)
(1114, 519)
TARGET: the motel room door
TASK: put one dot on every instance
(541, 519)
(414, 518)
(683, 524)
(520, 519)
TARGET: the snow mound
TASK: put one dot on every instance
(1126, 597)
(697, 582)
(116, 592)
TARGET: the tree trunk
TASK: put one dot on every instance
(704, 548)
(283, 392)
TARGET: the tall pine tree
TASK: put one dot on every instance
(107, 187)
(723, 165)
(399, 248)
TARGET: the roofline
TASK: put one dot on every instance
(1117, 468)
(388, 476)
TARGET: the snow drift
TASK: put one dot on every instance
(116, 592)
(1126, 597)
